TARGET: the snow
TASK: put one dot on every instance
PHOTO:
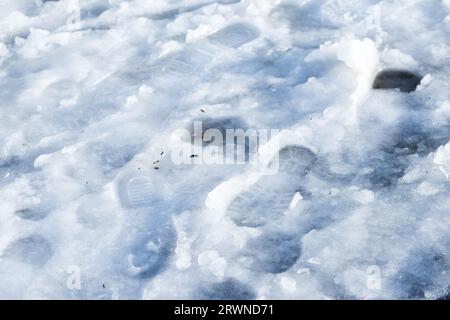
(349, 194)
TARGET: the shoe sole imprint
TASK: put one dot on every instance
(155, 238)
(175, 12)
(272, 195)
(235, 35)
(182, 64)
(196, 57)
(273, 252)
(136, 192)
(152, 250)
(33, 249)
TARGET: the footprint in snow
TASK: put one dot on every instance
(193, 59)
(271, 196)
(152, 236)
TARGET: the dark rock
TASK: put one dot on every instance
(405, 81)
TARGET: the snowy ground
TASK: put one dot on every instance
(94, 206)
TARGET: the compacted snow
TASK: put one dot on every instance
(348, 199)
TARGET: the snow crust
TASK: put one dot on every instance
(92, 205)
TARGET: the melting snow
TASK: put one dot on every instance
(349, 198)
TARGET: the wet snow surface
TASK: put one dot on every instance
(93, 206)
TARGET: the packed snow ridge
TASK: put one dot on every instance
(348, 198)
